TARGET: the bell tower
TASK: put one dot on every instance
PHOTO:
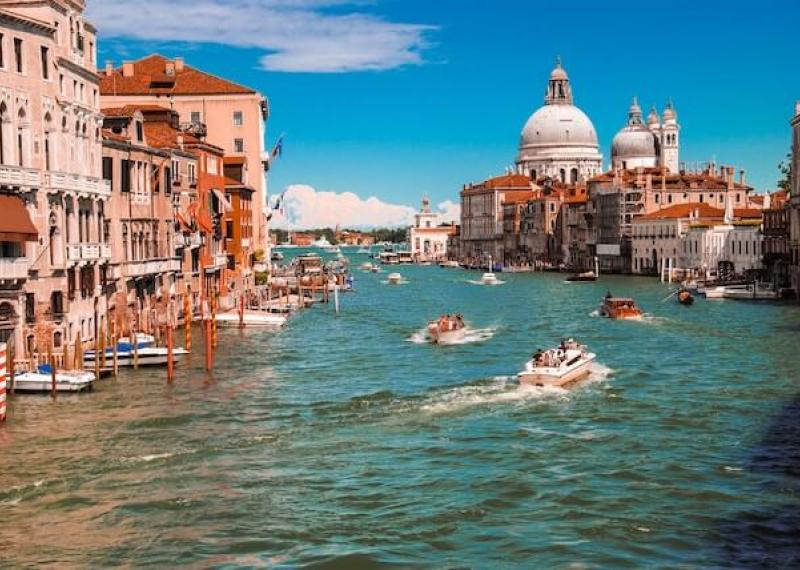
(670, 138)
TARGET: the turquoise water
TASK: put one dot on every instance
(341, 442)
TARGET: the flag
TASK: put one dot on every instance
(277, 150)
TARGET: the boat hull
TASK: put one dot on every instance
(557, 377)
(445, 337)
(37, 383)
(251, 320)
(147, 357)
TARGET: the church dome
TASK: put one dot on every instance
(634, 144)
(558, 125)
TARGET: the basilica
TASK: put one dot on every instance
(559, 140)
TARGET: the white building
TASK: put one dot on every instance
(559, 141)
(428, 236)
(652, 145)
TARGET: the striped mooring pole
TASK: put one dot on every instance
(3, 356)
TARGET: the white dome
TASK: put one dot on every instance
(558, 125)
(633, 142)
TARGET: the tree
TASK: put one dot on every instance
(785, 168)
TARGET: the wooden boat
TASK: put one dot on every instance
(251, 319)
(620, 308)
(446, 329)
(41, 381)
(147, 356)
(560, 366)
(684, 297)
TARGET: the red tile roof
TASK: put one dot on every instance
(150, 78)
(702, 209)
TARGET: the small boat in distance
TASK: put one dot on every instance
(446, 329)
(583, 277)
(251, 319)
(276, 256)
(751, 292)
(559, 366)
(684, 297)
(489, 279)
(394, 278)
(619, 308)
(449, 263)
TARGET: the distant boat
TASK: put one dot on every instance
(251, 319)
(276, 256)
(321, 243)
(583, 277)
(147, 356)
(620, 308)
(750, 292)
(684, 297)
(394, 278)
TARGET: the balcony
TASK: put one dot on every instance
(152, 267)
(13, 268)
(78, 183)
(245, 242)
(88, 252)
(19, 176)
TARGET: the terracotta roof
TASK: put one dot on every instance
(508, 180)
(150, 78)
(682, 181)
(108, 134)
(15, 223)
(702, 209)
(126, 111)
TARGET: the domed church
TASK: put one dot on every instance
(650, 145)
(559, 140)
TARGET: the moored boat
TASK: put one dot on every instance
(42, 380)
(250, 319)
(394, 278)
(620, 308)
(583, 277)
(142, 339)
(447, 329)
(750, 292)
(147, 356)
(560, 366)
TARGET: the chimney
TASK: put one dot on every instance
(170, 69)
(127, 69)
(723, 171)
(729, 177)
(109, 67)
(180, 141)
(178, 64)
(741, 177)
(648, 181)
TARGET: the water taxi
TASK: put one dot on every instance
(489, 279)
(619, 308)
(586, 276)
(559, 366)
(446, 329)
(751, 292)
(394, 278)
(41, 381)
(451, 263)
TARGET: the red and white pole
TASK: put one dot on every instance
(3, 355)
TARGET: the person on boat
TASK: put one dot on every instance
(609, 295)
(537, 356)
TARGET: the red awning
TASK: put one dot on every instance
(15, 222)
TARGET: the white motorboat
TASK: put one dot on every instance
(394, 278)
(712, 292)
(147, 356)
(322, 243)
(750, 292)
(366, 266)
(446, 330)
(41, 381)
(449, 263)
(251, 319)
(489, 279)
(142, 340)
(559, 366)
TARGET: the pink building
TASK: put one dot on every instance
(226, 114)
(50, 161)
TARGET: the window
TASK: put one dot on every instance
(167, 181)
(30, 307)
(238, 145)
(238, 119)
(45, 63)
(192, 170)
(125, 176)
(176, 172)
(156, 179)
(108, 168)
(61, 83)
(195, 117)
(2, 54)
(18, 54)
(139, 131)
(57, 302)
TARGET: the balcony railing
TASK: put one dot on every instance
(78, 183)
(13, 268)
(19, 176)
(154, 266)
(88, 252)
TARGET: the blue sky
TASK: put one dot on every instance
(398, 99)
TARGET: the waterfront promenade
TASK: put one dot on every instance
(342, 440)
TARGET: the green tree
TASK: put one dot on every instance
(785, 168)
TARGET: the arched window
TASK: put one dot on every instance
(21, 139)
(563, 175)
(5, 124)
(573, 176)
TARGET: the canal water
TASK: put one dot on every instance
(344, 442)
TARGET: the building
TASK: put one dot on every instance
(656, 144)
(225, 114)
(693, 239)
(559, 141)
(618, 197)
(538, 225)
(775, 239)
(55, 249)
(794, 205)
(428, 236)
(352, 237)
(482, 215)
(571, 232)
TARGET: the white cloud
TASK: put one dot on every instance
(297, 35)
(450, 211)
(306, 208)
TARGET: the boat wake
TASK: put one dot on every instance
(470, 336)
(489, 284)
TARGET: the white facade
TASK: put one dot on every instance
(427, 237)
(559, 141)
(706, 245)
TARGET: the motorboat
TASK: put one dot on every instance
(559, 366)
(42, 380)
(489, 279)
(451, 263)
(388, 258)
(685, 297)
(322, 243)
(713, 292)
(250, 319)
(147, 356)
(620, 308)
(751, 292)
(142, 340)
(276, 256)
(394, 278)
(447, 329)
(586, 276)
(366, 266)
